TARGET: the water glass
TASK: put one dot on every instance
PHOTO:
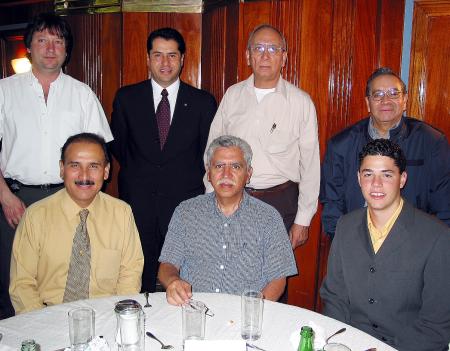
(193, 320)
(81, 327)
(252, 305)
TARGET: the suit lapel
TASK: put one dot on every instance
(365, 237)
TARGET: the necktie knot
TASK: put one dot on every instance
(83, 215)
(164, 93)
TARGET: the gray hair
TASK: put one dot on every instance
(266, 26)
(383, 71)
(230, 141)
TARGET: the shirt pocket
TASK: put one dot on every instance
(280, 142)
(248, 265)
(107, 269)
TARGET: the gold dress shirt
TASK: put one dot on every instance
(43, 244)
(378, 236)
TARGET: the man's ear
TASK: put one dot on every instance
(106, 174)
(61, 169)
(403, 178)
(359, 178)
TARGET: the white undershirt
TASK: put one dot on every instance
(172, 97)
(260, 93)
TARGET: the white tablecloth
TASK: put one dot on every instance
(49, 326)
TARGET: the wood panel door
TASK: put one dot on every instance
(429, 82)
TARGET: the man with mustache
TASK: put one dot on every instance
(80, 242)
(226, 241)
(39, 110)
(426, 149)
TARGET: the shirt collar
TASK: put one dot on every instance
(373, 132)
(33, 80)
(171, 89)
(280, 87)
(71, 209)
(241, 207)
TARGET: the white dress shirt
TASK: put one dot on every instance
(172, 90)
(33, 131)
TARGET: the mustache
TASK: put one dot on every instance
(84, 182)
(226, 182)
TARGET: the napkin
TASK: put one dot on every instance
(216, 345)
(96, 344)
(319, 336)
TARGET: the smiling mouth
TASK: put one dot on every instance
(377, 195)
(84, 182)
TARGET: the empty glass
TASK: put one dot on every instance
(193, 320)
(252, 305)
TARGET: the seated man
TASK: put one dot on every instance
(226, 241)
(388, 268)
(78, 243)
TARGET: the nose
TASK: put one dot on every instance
(227, 171)
(376, 180)
(164, 59)
(265, 54)
(51, 45)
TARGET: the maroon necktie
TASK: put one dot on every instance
(163, 117)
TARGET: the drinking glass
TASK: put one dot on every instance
(193, 320)
(81, 327)
(252, 305)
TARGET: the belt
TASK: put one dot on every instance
(274, 189)
(15, 185)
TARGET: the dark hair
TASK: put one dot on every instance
(55, 25)
(85, 138)
(167, 34)
(384, 147)
(383, 71)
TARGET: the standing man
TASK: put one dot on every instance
(279, 122)
(388, 266)
(39, 110)
(427, 154)
(160, 128)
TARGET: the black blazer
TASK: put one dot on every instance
(174, 173)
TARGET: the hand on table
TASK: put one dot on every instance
(13, 208)
(298, 235)
(178, 292)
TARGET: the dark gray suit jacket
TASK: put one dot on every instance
(400, 295)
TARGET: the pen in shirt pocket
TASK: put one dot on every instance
(273, 128)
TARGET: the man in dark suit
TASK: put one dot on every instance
(160, 127)
(388, 269)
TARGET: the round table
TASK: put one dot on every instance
(49, 326)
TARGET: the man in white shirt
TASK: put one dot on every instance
(39, 110)
(279, 122)
(160, 129)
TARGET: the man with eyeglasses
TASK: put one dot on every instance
(426, 149)
(160, 127)
(279, 122)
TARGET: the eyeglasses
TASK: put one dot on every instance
(259, 49)
(392, 94)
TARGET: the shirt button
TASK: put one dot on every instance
(371, 301)
(372, 270)
(224, 246)
(217, 290)
(221, 266)
(225, 225)
(375, 326)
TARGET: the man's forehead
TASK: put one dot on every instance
(267, 35)
(229, 154)
(377, 163)
(385, 81)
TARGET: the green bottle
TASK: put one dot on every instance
(306, 339)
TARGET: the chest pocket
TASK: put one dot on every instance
(107, 269)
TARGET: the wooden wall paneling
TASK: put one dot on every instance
(134, 47)
(391, 34)
(220, 29)
(190, 26)
(429, 83)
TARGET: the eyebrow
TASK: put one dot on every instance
(382, 171)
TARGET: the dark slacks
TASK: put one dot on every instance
(28, 196)
(284, 198)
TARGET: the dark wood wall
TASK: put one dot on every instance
(333, 46)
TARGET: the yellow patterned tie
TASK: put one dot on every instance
(77, 285)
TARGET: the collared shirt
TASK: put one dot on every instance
(282, 132)
(379, 235)
(216, 253)
(172, 90)
(43, 246)
(33, 131)
(375, 134)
